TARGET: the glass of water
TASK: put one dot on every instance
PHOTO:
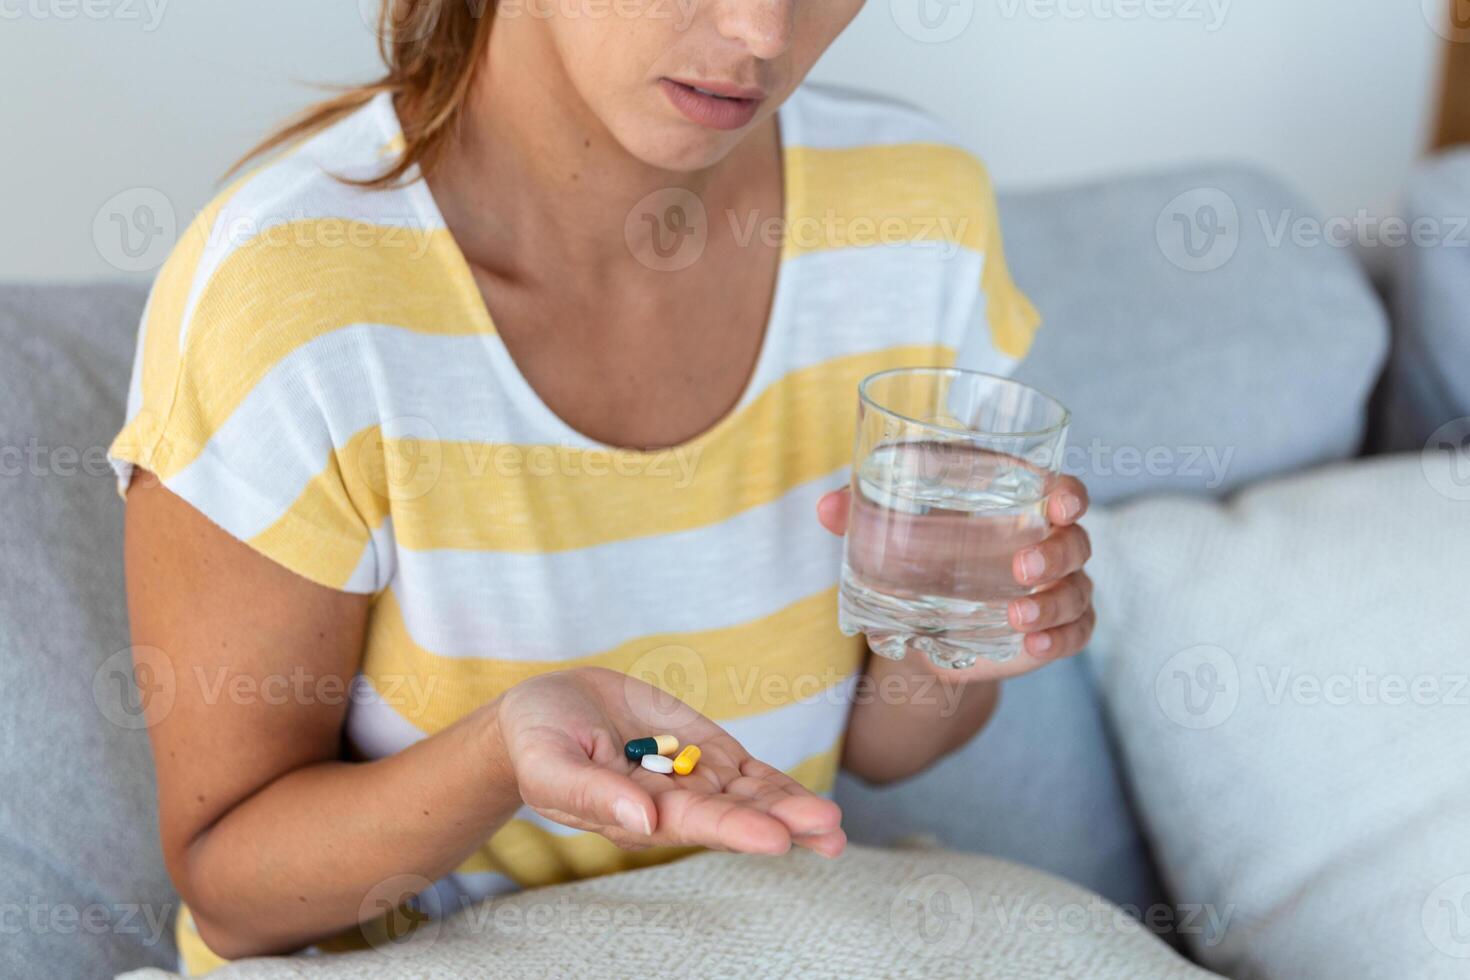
(949, 481)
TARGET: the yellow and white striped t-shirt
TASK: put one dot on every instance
(318, 374)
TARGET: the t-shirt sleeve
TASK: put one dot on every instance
(226, 418)
(1004, 322)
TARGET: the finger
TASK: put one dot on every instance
(721, 822)
(832, 510)
(1066, 501)
(818, 815)
(559, 776)
(1059, 554)
(1063, 641)
(829, 845)
(1056, 605)
(802, 811)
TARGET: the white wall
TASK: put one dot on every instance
(103, 96)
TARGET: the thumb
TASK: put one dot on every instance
(832, 510)
(565, 779)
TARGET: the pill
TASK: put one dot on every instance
(667, 744)
(657, 763)
(685, 761)
(639, 747)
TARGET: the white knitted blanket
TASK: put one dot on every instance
(905, 913)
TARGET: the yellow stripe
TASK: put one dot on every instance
(299, 281)
(324, 535)
(872, 195)
(198, 958)
(160, 333)
(909, 192)
(460, 495)
(792, 655)
(534, 857)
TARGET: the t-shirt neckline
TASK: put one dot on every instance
(520, 390)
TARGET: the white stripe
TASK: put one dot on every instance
(475, 886)
(976, 343)
(569, 604)
(784, 737)
(834, 118)
(312, 400)
(135, 385)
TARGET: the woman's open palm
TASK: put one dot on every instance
(566, 731)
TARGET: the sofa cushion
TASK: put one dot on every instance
(1198, 364)
(1288, 676)
(877, 914)
(1426, 392)
(79, 855)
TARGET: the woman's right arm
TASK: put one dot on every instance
(270, 837)
(276, 842)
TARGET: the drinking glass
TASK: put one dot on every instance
(949, 480)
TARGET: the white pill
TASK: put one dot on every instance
(658, 763)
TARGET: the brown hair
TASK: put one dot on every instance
(432, 49)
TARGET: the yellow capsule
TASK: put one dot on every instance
(685, 761)
(667, 744)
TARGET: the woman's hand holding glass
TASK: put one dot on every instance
(1057, 620)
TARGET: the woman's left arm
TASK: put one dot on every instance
(909, 714)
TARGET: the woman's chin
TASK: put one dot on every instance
(681, 147)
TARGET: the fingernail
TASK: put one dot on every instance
(1033, 563)
(632, 818)
(1027, 611)
(1071, 506)
(1039, 642)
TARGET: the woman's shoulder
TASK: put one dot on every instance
(265, 328)
(295, 243)
(867, 156)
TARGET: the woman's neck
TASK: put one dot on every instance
(534, 181)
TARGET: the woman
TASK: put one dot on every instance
(514, 384)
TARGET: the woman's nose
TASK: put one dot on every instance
(763, 26)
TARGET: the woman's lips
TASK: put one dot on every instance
(715, 106)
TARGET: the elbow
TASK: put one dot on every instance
(220, 922)
(226, 943)
(878, 774)
(224, 937)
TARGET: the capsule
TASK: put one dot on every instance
(654, 745)
(657, 763)
(685, 761)
(639, 747)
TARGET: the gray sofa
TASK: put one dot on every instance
(1192, 364)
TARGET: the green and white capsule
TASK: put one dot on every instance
(653, 745)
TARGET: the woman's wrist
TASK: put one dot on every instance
(493, 754)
